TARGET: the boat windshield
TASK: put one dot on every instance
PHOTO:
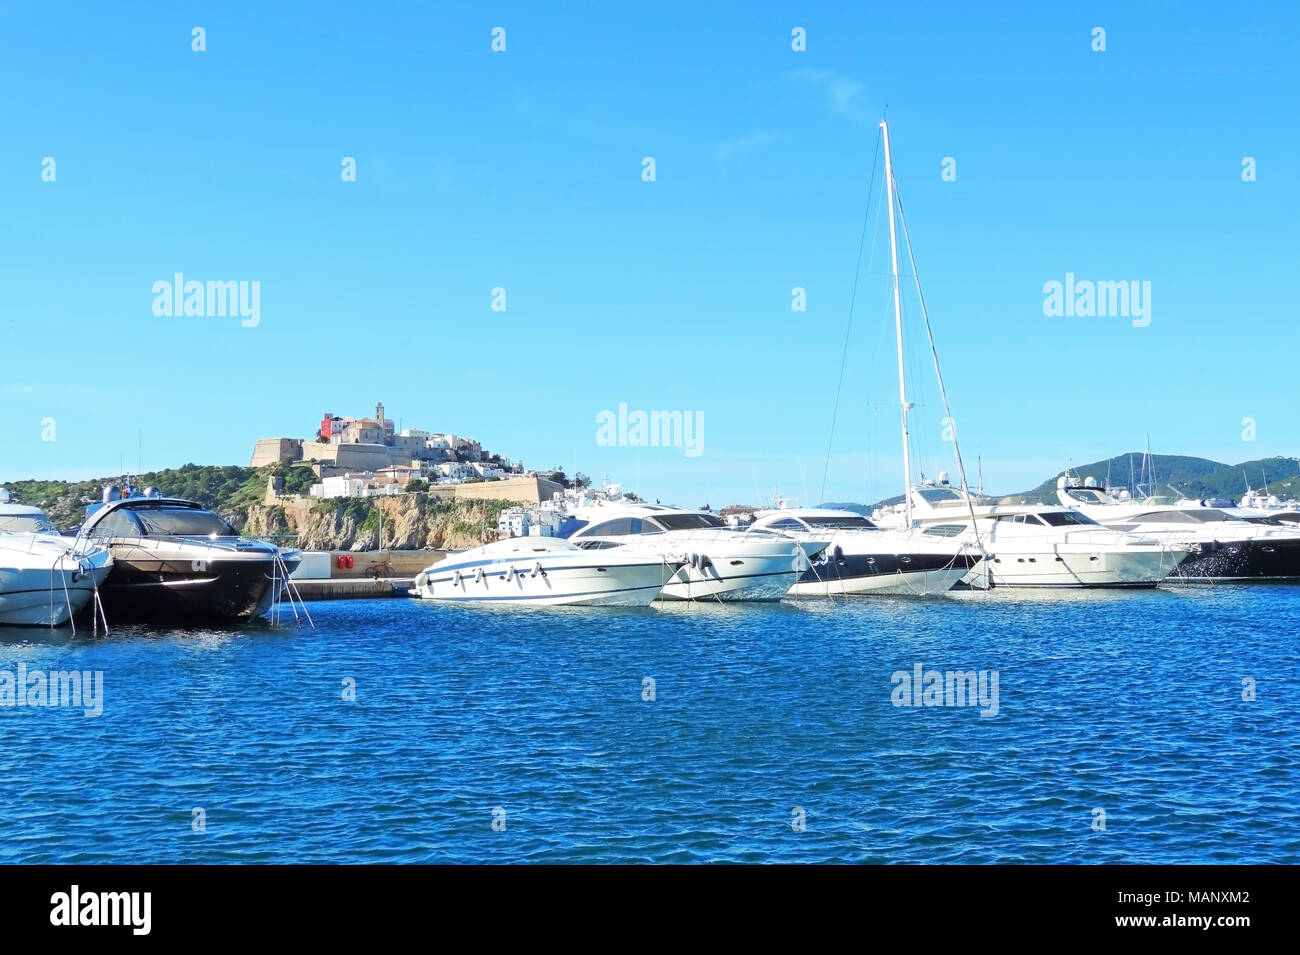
(27, 524)
(1088, 495)
(838, 523)
(1066, 518)
(684, 522)
(1183, 516)
(182, 522)
(938, 495)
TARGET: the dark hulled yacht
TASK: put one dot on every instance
(1226, 545)
(177, 562)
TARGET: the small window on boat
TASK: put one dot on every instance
(1065, 518)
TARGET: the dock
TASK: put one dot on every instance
(352, 588)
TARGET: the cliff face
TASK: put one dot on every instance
(404, 522)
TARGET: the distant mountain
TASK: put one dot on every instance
(1181, 476)
(1176, 475)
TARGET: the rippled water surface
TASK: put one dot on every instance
(1129, 703)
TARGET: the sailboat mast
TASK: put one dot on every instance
(898, 328)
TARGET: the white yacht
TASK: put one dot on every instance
(716, 562)
(1040, 546)
(1023, 546)
(1225, 544)
(45, 579)
(540, 571)
(862, 558)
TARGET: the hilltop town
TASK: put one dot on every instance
(369, 457)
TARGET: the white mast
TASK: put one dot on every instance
(898, 329)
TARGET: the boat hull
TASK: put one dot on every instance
(1262, 559)
(1060, 567)
(146, 589)
(35, 597)
(911, 574)
(604, 584)
(742, 577)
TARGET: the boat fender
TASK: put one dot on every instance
(695, 561)
(420, 580)
(537, 569)
(838, 554)
(510, 574)
(478, 574)
(456, 580)
(705, 562)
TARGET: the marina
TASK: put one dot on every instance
(615, 435)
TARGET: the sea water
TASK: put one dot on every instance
(1124, 727)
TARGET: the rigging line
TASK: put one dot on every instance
(857, 274)
(934, 352)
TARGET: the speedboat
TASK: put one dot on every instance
(1225, 545)
(716, 562)
(175, 561)
(539, 571)
(1041, 546)
(862, 558)
(45, 579)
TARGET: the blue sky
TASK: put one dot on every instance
(523, 170)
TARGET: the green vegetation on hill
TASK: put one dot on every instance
(227, 489)
(239, 495)
(1179, 476)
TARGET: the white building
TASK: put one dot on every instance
(346, 486)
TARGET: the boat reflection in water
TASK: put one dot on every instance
(177, 562)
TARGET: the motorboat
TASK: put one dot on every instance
(716, 562)
(862, 558)
(542, 571)
(1038, 545)
(1225, 544)
(175, 561)
(45, 579)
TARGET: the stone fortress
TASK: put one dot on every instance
(362, 457)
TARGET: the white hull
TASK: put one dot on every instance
(757, 578)
(924, 583)
(1071, 567)
(42, 584)
(550, 575)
